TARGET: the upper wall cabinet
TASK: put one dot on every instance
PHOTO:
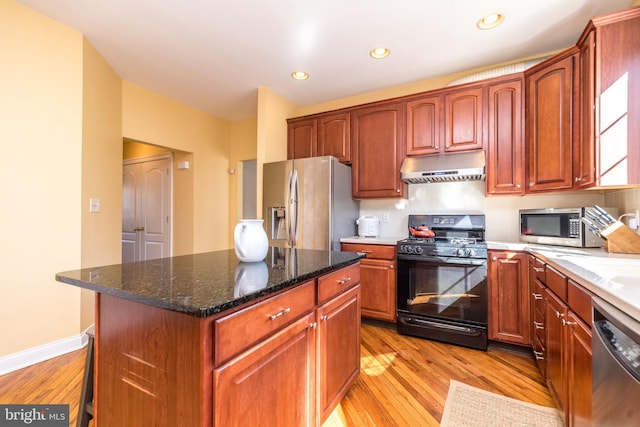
(377, 143)
(505, 138)
(424, 131)
(549, 112)
(334, 136)
(463, 111)
(610, 105)
(321, 135)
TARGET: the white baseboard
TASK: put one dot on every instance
(34, 355)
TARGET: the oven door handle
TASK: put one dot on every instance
(435, 325)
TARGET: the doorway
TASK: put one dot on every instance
(146, 208)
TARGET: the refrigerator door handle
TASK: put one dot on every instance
(287, 212)
(294, 208)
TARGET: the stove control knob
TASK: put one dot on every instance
(418, 250)
(459, 252)
(471, 252)
(408, 249)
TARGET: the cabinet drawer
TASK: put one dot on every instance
(242, 329)
(371, 251)
(557, 282)
(333, 283)
(579, 301)
(537, 268)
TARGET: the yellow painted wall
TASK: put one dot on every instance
(101, 168)
(273, 111)
(242, 146)
(155, 119)
(40, 195)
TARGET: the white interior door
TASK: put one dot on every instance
(146, 209)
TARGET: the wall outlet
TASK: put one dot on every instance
(385, 217)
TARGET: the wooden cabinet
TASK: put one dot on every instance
(610, 109)
(578, 371)
(272, 383)
(302, 138)
(424, 129)
(505, 137)
(561, 339)
(556, 312)
(334, 136)
(549, 112)
(322, 135)
(377, 142)
(584, 158)
(464, 115)
(508, 297)
(339, 359)
(377, 280)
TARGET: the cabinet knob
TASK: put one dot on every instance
(518, 185)
(559, 315)
(391, 266)
(324, 318)
(495, 258)
(397, 190)
(578, 179)
(313, 325)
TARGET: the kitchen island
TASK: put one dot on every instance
(204, 339)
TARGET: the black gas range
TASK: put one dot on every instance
(442, 279)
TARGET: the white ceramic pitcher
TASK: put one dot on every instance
(251, 242)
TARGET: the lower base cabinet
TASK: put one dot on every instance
(339, 360)
(579, 371)
(269, 384)
(377, 279)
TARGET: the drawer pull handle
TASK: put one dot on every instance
(280, 313)
(538, 269)
(559, 315)
(538, 355)
(366, 251)
(538, 325)
(567, 323)
(343, 281)
(536, 296)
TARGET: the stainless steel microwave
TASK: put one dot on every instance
(559, 226)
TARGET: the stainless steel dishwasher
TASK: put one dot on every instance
(616, 366)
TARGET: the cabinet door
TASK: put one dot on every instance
(334, 136)
(579, 371)
(378, 281)
(377, 138)
(505, 144)
(302, 138)
(549, 121)
(508, 297)
(271, 384)
(585, 162)
(555, 351)
(339, 349)
(423, 126)
(463, 120)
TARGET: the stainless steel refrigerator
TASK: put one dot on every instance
(307, 203)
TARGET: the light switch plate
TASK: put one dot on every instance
(94, 205)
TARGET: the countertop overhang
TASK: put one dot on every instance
(207, 283)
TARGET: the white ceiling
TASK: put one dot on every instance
(214, 54)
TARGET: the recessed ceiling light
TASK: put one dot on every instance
(300, 75)
(490, 21)
(379, 52)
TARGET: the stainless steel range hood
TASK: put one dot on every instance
(469, 166)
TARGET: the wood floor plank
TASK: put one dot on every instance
(403, 381)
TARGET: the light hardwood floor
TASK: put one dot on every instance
(403, 380)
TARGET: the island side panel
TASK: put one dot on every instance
(153, 366)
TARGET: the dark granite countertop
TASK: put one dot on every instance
(208, 283)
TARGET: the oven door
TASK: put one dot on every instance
(443, 301)
(452, 290)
